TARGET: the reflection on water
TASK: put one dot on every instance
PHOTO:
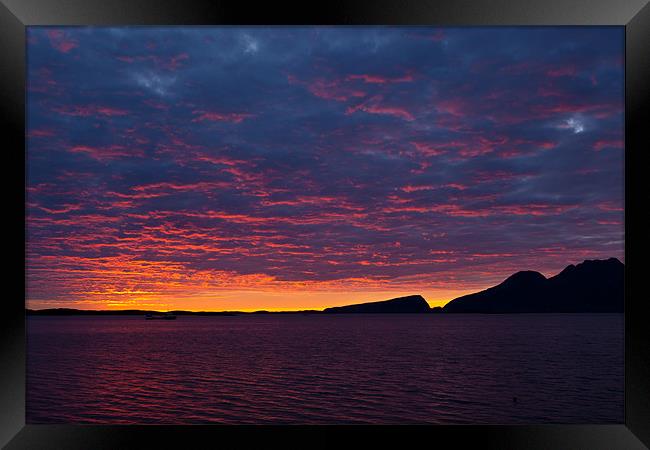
(326, 369)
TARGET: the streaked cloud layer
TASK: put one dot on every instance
(292, 168)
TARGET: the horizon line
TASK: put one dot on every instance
(322, 309)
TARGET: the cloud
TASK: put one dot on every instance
(251, 45)
(212, 116)
(106, 153)
(89, 110)
(166, 164)
(158, 84)
(573, 124)
(61, 41)
(379, 79)
(375, 106)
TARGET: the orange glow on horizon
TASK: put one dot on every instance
(246, 301)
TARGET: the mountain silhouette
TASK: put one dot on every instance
(591, 286)
(409, 304)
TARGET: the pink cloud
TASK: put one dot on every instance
(212, 116)
(499, 175)
(532, 209)
(494, 255)
(90, 110)
(170, 63)
(422, 167)
(610, 206)
(438, 36)
(562, 71)
(379, 79)
(454, 210)
(60, 42)
(40, 133)
(391, 111)
(373, 107)
(175, 61)
(523, 147)
(599, 110)
(510, 153)
(106, 153)
(455, 107)
(458, 186)
(156, 105)
(548, 91)
(481, 146)
(171, 186)
(329, 89)
(547, 145)
(63, 210)
(225, 160)
(428, 149)
(614, 143)
(409, 188)
(106, 111)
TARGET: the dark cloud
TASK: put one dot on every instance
(164, 160)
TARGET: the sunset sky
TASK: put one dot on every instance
(284, 168)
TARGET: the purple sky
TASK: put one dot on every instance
(299, 167)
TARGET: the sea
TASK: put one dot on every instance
(326, 369)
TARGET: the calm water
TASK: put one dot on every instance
(327, 369)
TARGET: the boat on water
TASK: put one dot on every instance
(166, 316)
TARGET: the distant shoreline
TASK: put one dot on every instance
(138, 312)
(127, 313)
(593, 286)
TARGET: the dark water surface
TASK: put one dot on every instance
(327, 369)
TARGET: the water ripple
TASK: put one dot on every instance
(457, 369)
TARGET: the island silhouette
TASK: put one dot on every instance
(408, 304)
(593, 286)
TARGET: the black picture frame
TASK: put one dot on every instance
(634, 15)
